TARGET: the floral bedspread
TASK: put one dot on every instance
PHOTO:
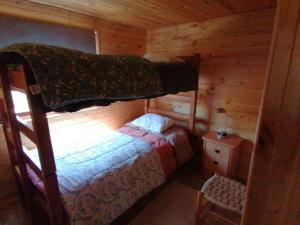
(70, 79)
(100, 178)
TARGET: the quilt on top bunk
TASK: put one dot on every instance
(70, 80)
(100, 178)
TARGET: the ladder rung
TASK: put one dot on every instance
(26, 129)
(176, 98)
(174, 115)
(34, 167)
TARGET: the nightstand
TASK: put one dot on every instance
(221, 156)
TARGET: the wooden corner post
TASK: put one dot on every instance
(194, 97)
(273, 186)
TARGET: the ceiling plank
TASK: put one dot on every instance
(152, 14)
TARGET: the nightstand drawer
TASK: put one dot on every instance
(215, 165)
(217, 151)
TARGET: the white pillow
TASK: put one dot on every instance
(153, 122)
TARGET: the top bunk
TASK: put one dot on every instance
(66, 80)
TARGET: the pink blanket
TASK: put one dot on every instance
(163, 148)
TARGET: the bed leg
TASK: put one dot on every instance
(199, 207)
(55, 206)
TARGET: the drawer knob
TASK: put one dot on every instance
(215, 162)
(217, 151)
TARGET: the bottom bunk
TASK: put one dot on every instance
(101, 175)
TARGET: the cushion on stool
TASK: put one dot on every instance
(225, 192)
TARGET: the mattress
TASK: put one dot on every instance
(102, 176)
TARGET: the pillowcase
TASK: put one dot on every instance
(153, 122)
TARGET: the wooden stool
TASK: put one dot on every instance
(222, 192)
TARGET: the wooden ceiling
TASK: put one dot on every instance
(151, 14)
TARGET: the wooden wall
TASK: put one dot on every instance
(114, 39)
(234, 53)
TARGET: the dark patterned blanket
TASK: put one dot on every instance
(70, 80)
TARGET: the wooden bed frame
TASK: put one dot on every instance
(190, 119)
(39, 134)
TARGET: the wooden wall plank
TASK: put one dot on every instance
(234, 52)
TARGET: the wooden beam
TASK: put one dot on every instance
(273, 187)
(171, 114)
(193, 108)
(34, 167)
(147, 105)
(97, 40)
(45, 151)
(26, 129)
(194, 97)
(175, 98)
(9, 136)
(16, 80)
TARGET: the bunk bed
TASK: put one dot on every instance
(64, 80)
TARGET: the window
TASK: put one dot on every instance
(20, 102)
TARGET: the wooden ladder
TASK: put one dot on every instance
(39, 134)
